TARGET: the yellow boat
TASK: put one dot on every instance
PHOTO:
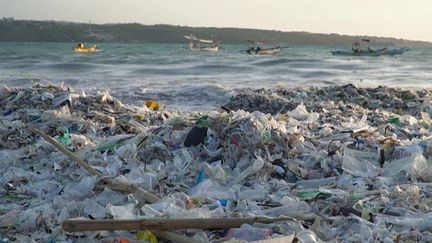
(80, 48)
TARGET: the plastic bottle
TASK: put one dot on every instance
(257, 165)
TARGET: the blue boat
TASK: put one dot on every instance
(357, 50)
(369, 53)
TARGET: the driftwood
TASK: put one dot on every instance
(116, 185)
(78, 225)
(113, 183)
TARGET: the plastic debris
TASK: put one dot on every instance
(248, 233)
(196, 136)
(147, 236)
(337, 163)
(394, 120)
(151, 104)
(66, 137)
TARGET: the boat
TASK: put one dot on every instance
(263, 51)
(80, 48)
(357, 50)
(372, 53)
(369, 53)
(256, 49)
(197, 44)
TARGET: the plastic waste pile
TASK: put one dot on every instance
(338, 163)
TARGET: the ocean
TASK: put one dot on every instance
(186, 80)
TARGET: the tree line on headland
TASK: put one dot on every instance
(58, 31)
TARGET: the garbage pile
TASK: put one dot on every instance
(316, 164)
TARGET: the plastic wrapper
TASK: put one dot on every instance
(248, 233)
(211, 190)
(127, 211)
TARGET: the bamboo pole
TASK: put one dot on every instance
(116, 185)
(67, 152)
(113, 183)
(78, 225)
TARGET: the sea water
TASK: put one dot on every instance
(186, 80)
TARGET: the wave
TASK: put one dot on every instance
(198, 70)
(279, 61)
(183, 78)
(70, 66)
(192, 96)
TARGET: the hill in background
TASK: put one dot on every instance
(57, 31)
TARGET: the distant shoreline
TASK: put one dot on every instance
(12, 30)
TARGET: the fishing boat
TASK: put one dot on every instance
(263, 51)
(256, 49)
(357, 49)
(197, 44)
(370, 53)
(80, 48)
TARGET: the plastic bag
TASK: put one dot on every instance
(248, 233)
(360, 163)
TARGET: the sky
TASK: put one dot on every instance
(408, 19)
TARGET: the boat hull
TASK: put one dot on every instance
(374, 53)
(85, 49)
(269, 51)
(266, 51)
(210, 49)
(380, 52)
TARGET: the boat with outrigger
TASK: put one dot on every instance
(357, 49)
(256, 48)
(198, 44)
(81, 48)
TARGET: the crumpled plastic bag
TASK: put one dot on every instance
(415, 166)
(359, 163)
(212, 190)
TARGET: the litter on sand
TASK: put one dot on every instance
(313, 164)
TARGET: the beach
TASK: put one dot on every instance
(340, 163)
(231, 122)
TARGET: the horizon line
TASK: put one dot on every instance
(225, 27)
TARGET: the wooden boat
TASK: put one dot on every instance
(197, 44)
(359, 49)
(369, 53)
(372, 53)
(255, 48)
(263, 51)
(80, 48)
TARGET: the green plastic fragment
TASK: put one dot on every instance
(394, 120)
(65, 139)
(267, 137)
(202, 122)
(356, 196)
(309, 195)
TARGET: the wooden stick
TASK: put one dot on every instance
(113, 183)
(79, 225)
(67, 152)
(116, 185)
